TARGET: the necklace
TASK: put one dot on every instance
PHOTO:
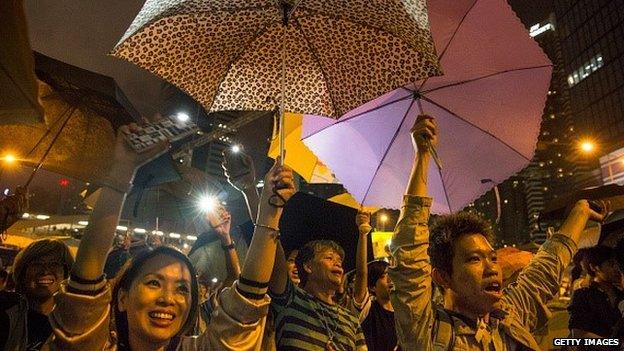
(325, 321)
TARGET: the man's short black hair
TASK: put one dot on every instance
(376, 270)
(445, 232)
(307, 253)
(598, 255)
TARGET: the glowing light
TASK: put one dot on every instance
(9, 158)
(182, 117)
(122, 228)
(174, 235)
(140, 230)
(236, 149)
(42, 217)
(157, 232)
(383, 218)
(191, 237)
(26, 215)
(207, 203)
(85, 223)
(587, 146)
(214, 280)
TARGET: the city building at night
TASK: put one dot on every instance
(590, 32)
(557, 161)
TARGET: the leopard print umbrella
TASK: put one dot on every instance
(227, 54)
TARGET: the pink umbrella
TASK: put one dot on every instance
(488, 107)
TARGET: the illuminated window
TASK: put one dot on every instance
(585, 70)
(539, 28)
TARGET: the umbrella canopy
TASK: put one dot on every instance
(92, 104)
(18, 101)
(228, 54)
(488, 107)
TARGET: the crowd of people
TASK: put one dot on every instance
(441, 289)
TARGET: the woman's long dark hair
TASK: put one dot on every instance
(129, 273)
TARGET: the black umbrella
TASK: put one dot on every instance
(18, 100)
(306, 218)
(556, 209)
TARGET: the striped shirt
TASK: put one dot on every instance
(304, 322)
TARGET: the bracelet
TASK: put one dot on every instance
(232, 246)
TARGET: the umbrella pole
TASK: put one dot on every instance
(287, 11)
(47, 152)
(282, 134)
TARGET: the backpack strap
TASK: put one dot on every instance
(443, 332)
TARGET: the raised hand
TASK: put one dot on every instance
(127, 161)
(279, 187)
(424, 133)
(239, 170)
(362, 220)
(220, 220)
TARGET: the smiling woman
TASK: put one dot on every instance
(155, 299)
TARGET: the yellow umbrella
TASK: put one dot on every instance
(347, 199)
(303, 161)
(298, 157)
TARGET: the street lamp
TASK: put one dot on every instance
(587, 146)
(383, 218)
(9, 158)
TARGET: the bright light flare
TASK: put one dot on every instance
(383, 218)
(236, 148)
(207, 203)
(587, 146)
(9, 158)
(183, 117)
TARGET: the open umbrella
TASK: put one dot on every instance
(317, 56)
(308, 217)
(82, 109)
(488, 107)
(18, 100)
(556, 209)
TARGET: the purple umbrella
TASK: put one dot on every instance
(488, 107)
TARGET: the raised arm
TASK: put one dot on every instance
(360, 287)
(539, 281)
(99, 234)
(258, 266)
(221, 221)
(411, 270)
(241, 174)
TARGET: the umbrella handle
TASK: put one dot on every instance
(432, 149)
